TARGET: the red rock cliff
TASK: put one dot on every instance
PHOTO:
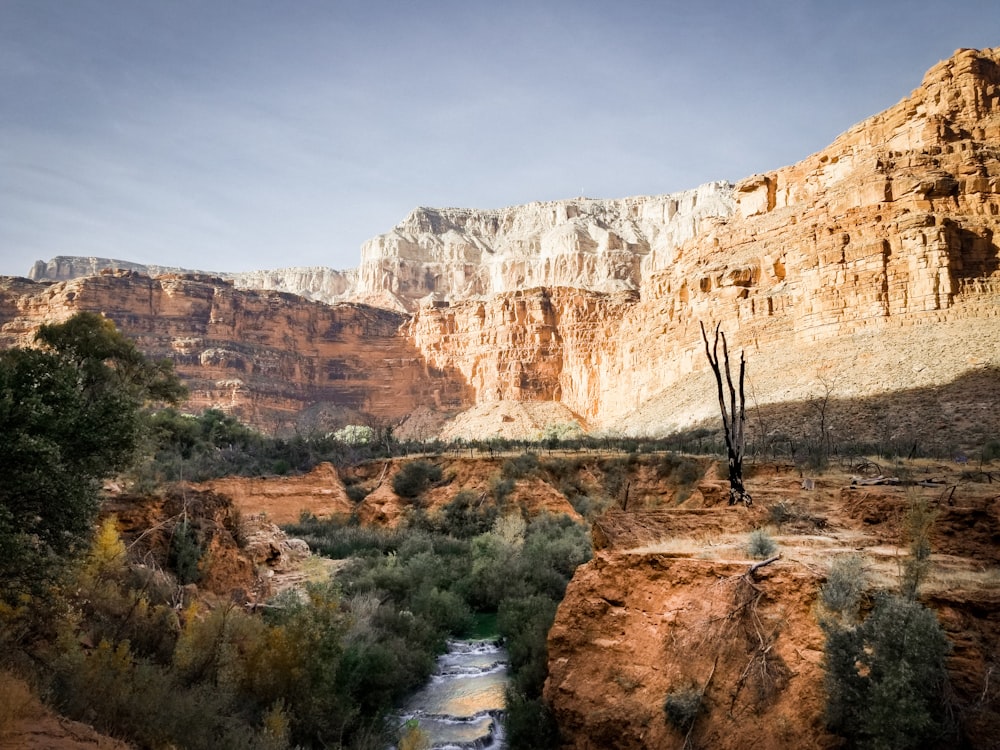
(270, 358)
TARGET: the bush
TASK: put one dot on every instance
(185, 553)
(845, 585)
(356, 493)
(467, 515)
(415, 477)
(884, 677)
(761, 545)
(682, 707)
(519, 467)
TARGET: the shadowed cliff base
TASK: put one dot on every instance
(958, 420)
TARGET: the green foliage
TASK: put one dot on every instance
(70, 417)
(109, 360)
(518, 569)
(500, 488)
(682, 707)
(884, 676)
(559, 432)
(990, 451)
(355, 434)
(683, 470)
(918, 522)
(761, 545)
(530, 724)
(414, 477)
(185, 553)
(519, 467)
(468, 515)
(845, 586)
(356, 493)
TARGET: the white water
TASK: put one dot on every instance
(462, 705)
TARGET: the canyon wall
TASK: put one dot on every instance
(317, 283)
(871, 265)
(272, 359)
(604, 246)
(868, 268)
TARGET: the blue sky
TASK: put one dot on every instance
(231, 135)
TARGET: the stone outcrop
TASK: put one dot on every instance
(446, 255)
(273, 359)
(316, 283)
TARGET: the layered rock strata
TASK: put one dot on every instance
(603, 246)
(317, 283)
(878, 251)
(272, 359)
(867, 268)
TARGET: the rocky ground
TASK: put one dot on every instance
(668, 603)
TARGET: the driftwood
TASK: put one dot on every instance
(758, 565)
(863, 482)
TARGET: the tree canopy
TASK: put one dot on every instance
(70, 416)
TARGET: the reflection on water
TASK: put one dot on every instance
(462, 705)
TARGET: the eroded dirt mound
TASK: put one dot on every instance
(652, 625)
(239, 553)
(320, 492)
(26, 724)
(666, 607)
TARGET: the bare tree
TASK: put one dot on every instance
(733, 420)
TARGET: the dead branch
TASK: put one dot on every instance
(758, 565)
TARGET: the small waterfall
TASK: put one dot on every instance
(463, 703)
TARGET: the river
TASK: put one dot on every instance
(462, 705)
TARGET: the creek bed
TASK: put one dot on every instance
(463, 703)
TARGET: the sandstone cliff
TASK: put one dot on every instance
(273, 359)
(871, 265)
(868, 268)
(316, 283)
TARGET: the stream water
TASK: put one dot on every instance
(462, 705)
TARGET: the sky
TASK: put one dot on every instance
(233, 135)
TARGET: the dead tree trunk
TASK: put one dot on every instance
(733, 420)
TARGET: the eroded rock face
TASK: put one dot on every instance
(598, 245)
(634, 628)
(317, 283)
(868, 268)
(272, 359)
(872, 264)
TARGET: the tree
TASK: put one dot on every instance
(733, 419)
(108, 359)
(884, 676)
(70, 417)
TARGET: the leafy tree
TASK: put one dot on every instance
(107, 359)
(884, 676)
(70, 417)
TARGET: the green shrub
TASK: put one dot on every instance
(356, 493)
(845, 585)
(990, 451)
(185, 553)
(918, 522)
(682, 706)
(468, 515)
(884, 677)
(414, 477)
(761, 545)
(520, 466)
